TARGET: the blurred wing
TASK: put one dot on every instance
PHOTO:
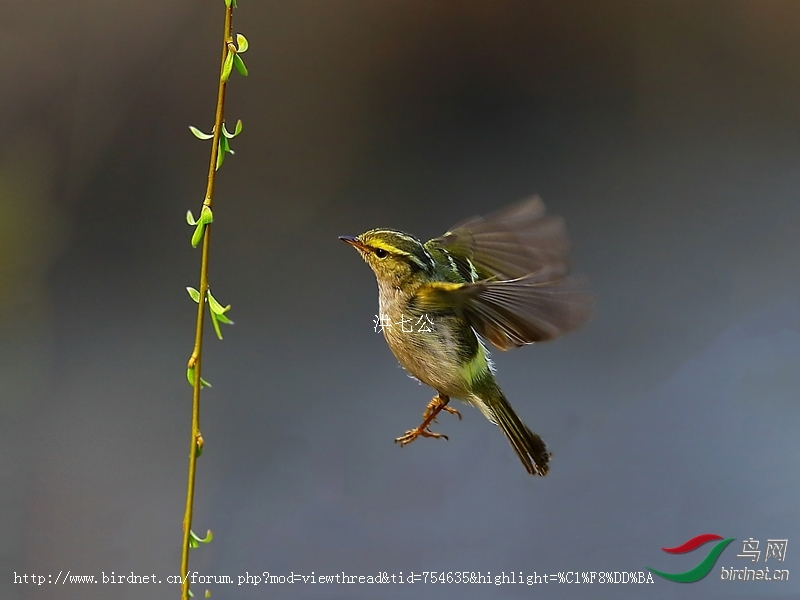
(535, 308)
(510, 243)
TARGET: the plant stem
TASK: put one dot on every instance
(195, 361)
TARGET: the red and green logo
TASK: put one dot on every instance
(705, 566)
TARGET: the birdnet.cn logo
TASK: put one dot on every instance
(774, 549)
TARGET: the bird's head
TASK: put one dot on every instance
(395, 257)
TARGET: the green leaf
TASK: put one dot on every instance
(208, 593)
(195, 295)
(236, 131)
(224, 319)
(223, 142)
(190, 379)
(227, 65)
(197, 236)
(206, 216)
(239, 63)
(242, 43)
(191, 595)
(224, 148)
(218, 312)
(228, 3)
(199, 134)
(215, 306)
(215, 322)
(190, 218)
(198, 540)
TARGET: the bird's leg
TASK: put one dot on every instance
(434, 407)
(439, 403)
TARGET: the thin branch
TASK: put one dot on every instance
(195, 362)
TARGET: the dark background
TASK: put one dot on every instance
(667, 135)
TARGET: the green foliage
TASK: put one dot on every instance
(242, 43)
(190, 378)
(228, 64)
(239, 64)
(223, 146)
(206, 218)
(218, 313)
(195, 541)
(216, 310)
(199, 134)
(236, 131)
(232, 58)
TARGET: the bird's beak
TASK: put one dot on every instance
(355, 242)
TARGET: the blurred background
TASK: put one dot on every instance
(667, 134)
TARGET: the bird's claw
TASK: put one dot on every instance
(412, 434)
(435, 404)
(434, 407)
(452, 411)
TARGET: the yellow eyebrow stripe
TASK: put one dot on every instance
(394, 250)
(384, 246)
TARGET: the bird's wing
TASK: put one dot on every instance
(510, 243)
(540, 306)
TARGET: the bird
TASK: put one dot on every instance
(502, 279)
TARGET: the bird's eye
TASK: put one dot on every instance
(381, 253)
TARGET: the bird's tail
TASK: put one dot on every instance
(530, 448)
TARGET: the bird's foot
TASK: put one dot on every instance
(412, 434)
(436, 405)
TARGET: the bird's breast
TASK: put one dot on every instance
(429, 346)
